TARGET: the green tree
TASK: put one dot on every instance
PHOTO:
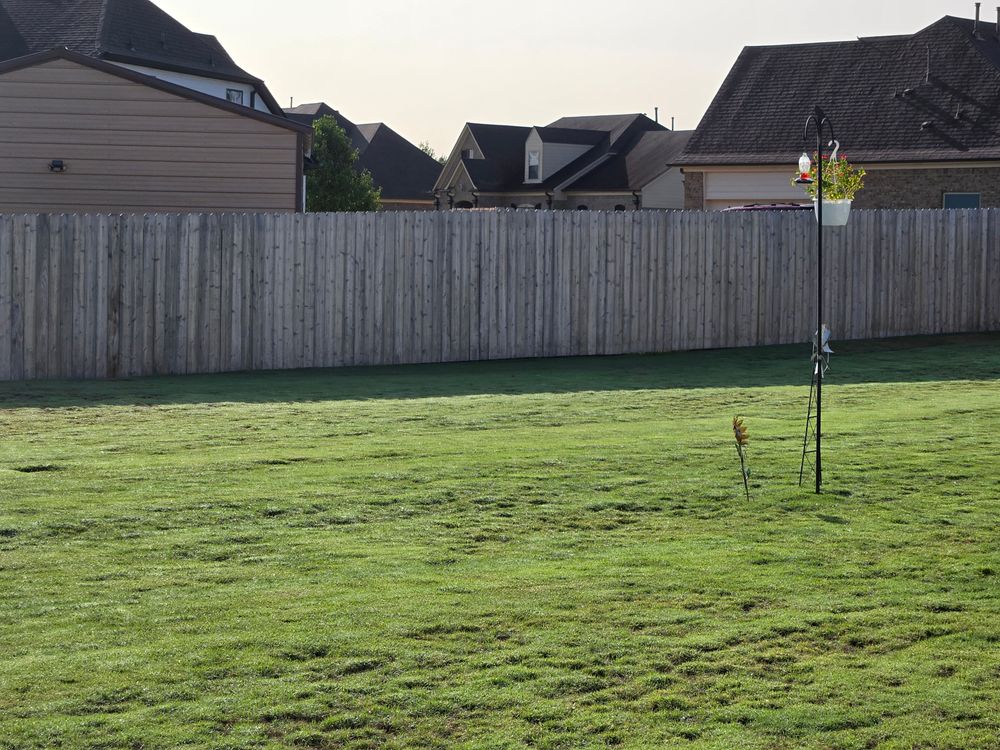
(428, 149)
(334, 183)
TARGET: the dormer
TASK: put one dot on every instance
(548, 150)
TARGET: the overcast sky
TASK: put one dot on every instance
(425, 67)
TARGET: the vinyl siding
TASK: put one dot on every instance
(666, 191)
(130, 147)
(558, 155)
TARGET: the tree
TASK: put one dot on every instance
(334, 183)
(428, 149)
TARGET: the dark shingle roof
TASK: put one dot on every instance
(12, 44)
(878, 92)
(571, 135)
(307, 114)
(402, 170)
(129, 31)
(614, 125)
(503, 149)
(612, 138)
(635, 168)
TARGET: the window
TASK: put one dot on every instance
(234, 95)
(469, 153)
(534, 165)
(581, 208)
(619, 207)
(962, 200)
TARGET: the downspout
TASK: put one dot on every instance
(637, 200)
(548, 199)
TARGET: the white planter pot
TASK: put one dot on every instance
(835, 213)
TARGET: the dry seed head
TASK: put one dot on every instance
(740, 431)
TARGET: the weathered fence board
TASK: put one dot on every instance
(93, 296)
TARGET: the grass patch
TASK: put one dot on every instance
(551, 554)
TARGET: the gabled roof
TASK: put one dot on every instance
(929, 96)
(125, 31)
(635, 168)
(614, 125)
(399, 168)
(571, 135)
(503, 149)
(604, 166)
(127, 74)
(307, 114)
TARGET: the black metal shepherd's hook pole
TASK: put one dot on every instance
(820, 121)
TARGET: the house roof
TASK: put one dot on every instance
(571, 135)
(929, 96)
(614, 125)
(135, 32)
(399, 168)
(633, 169)
(503, 149)
(603, 167)
(40, 58)
(307, 114)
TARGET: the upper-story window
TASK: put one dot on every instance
(534, 165)
(234, 95)
(469, 153)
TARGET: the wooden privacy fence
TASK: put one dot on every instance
(94, 296)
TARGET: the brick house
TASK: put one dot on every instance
(920, 112)
(601, 162)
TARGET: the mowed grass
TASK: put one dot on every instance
(548, 554)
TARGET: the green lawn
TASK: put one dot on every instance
(549, 554)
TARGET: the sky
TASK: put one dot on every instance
(426, 67)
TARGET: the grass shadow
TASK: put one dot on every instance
(904, 360)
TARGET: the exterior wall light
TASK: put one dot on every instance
(57, 165)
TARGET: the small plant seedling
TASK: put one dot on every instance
(742, 443)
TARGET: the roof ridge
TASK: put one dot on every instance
(972, 41)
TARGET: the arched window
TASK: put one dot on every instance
(619, 207)
(463, 204)
(581, 208)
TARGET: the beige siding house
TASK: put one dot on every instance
(81, 135)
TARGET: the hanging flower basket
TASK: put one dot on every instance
(835, 213)
(841, 182)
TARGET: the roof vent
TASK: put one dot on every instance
(163, 39)
(998, 23)
(926, 125)
(975, 28)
